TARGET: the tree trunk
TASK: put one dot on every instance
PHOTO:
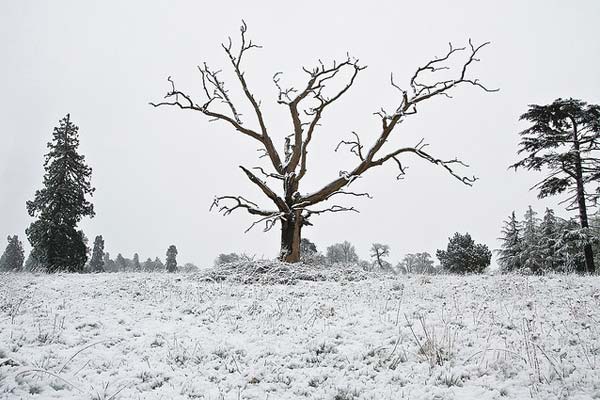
(583, 218)
(290, 238)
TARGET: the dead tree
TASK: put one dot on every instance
(306, 106)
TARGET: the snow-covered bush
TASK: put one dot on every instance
(463, 255)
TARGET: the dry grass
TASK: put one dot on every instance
(152, 336)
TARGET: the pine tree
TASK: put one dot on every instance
(595, 227)
(509, 256)
(109, 264)
(61, 204)
(158, 265)
(137, 267)
(531, 255)
(121, 263)
(171, 264)
(549, 230)
(463, 255)
(13, 257)
(564, 138)
(149, 265)
(97, 262)
(570, 244)
(33, 264)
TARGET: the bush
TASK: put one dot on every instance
(464, 256)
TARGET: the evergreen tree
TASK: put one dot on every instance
(549, 231)
(109, 264)
(97, 261)
(171, 264)
(61, 204)
(307, 247)
(509, 256)
(13, 257)
(158, 265)
(531, 255)
(137, 267)
(564, 138)
(595, 226)
(32, 264)
(121, 263)
(463, 255)
(148, 265)
(570, 243)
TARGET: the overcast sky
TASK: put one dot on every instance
(156, 171)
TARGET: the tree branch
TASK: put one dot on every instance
(408, 106)
(235, 62)
(279, 202)
(188, 104)
(239, 203)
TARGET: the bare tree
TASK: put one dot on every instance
(378, 253)
(342, 253)
(306, 107)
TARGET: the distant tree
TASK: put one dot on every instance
(148, 265)
(109, 264)
(309, 253)
(510, 254)
(464, 256)
(378, 253)
(61, 204)
(13, 257)
(227, 258)
(341, 253)
(137, 267)
(171, 263)
(307, 247)
(189, 268)
(121, 263)
(97, 261)
(531, 255)
(549, 231)
(564, 139)
(418, 263)
(158, 265)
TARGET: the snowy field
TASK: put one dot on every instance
(156, 336)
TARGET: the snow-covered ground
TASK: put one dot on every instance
(155, 336)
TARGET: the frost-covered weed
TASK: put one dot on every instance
(444, 337)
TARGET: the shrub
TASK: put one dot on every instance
(464, 256)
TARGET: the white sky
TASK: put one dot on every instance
(156, 170)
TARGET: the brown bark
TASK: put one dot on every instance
(306, 108)
(291, 229)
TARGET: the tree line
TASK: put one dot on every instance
(562, 139)
(56, 242)
(547, 244)
(462, 255)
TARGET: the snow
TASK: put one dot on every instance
(159, 336)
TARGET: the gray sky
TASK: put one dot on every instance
(156, 170)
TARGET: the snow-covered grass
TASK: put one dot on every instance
(155, 336)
